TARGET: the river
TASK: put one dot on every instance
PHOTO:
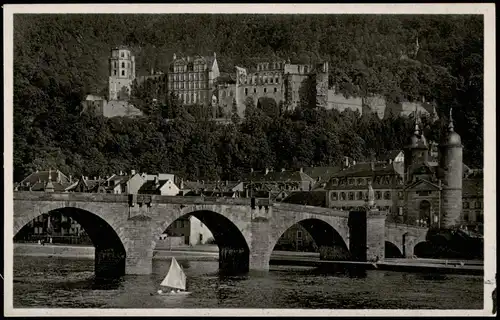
(53, 282)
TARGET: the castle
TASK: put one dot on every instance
(121, 78)
(197, 80)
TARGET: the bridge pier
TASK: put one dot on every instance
(375, 235)
(109, 262)
(233, 259)
(139, 235)
(408, 245)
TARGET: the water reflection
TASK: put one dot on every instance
(43, 282)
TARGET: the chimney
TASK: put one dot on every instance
(121, 173)
(95, 178)
(132, 172)
(70, 179)
(251, 169)
(372, 165)
(267, 170)
(301, 170)
(157, 181)
(175, 56)
(282, 169)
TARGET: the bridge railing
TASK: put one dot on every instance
(134, 198)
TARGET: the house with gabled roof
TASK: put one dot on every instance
(160, 187)
(46, 181)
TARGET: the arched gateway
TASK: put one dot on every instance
(125, 228)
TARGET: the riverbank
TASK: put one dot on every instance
(309, 259)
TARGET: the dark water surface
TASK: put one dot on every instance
(49, 282)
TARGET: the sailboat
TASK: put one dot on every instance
(175, 280)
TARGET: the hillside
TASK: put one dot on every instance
(60, 58)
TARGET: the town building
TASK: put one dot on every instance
(274, 181)
(412, 187)
(46, 180)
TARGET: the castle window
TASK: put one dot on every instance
(351, 195)
(114, 72)
(223, 94)
(342, 196)
(246, 91)
(387, 195)
(231, 93)
(123, 72)
(265, 90)
(254, 90)
(122, 55)
(400, 211)
(114, 64)
(123, 64)
(334, 196)
(478, 205)
(423, 193)
(359, 195)
(271, 80)
(275, 90)
(335, 182)
(400, 195)
(378, 195)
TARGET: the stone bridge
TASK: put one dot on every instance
(124, 228)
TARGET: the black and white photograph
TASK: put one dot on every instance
(249, 159)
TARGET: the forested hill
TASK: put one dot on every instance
(60, 58)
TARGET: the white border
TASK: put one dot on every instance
(488, 10)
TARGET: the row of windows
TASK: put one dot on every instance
(115, 64)
(479, 216)
(189, 67)
(260, 79)
(362, 195)
(187, 77)
(255, 90)
(124, 54)
(273, 65)
(187, 85)
(192, 97)
(473, 205)
(363, 181)
(123, 73)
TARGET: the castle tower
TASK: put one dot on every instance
(121, 73)
(416, 151)
(450, 163)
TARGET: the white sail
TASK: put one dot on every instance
(175, 277)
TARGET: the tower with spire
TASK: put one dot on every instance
(416, 150)
(450, 163)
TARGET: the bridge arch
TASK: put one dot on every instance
(230, 231)
(329, 241)
(106, 236)
(392, 250)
